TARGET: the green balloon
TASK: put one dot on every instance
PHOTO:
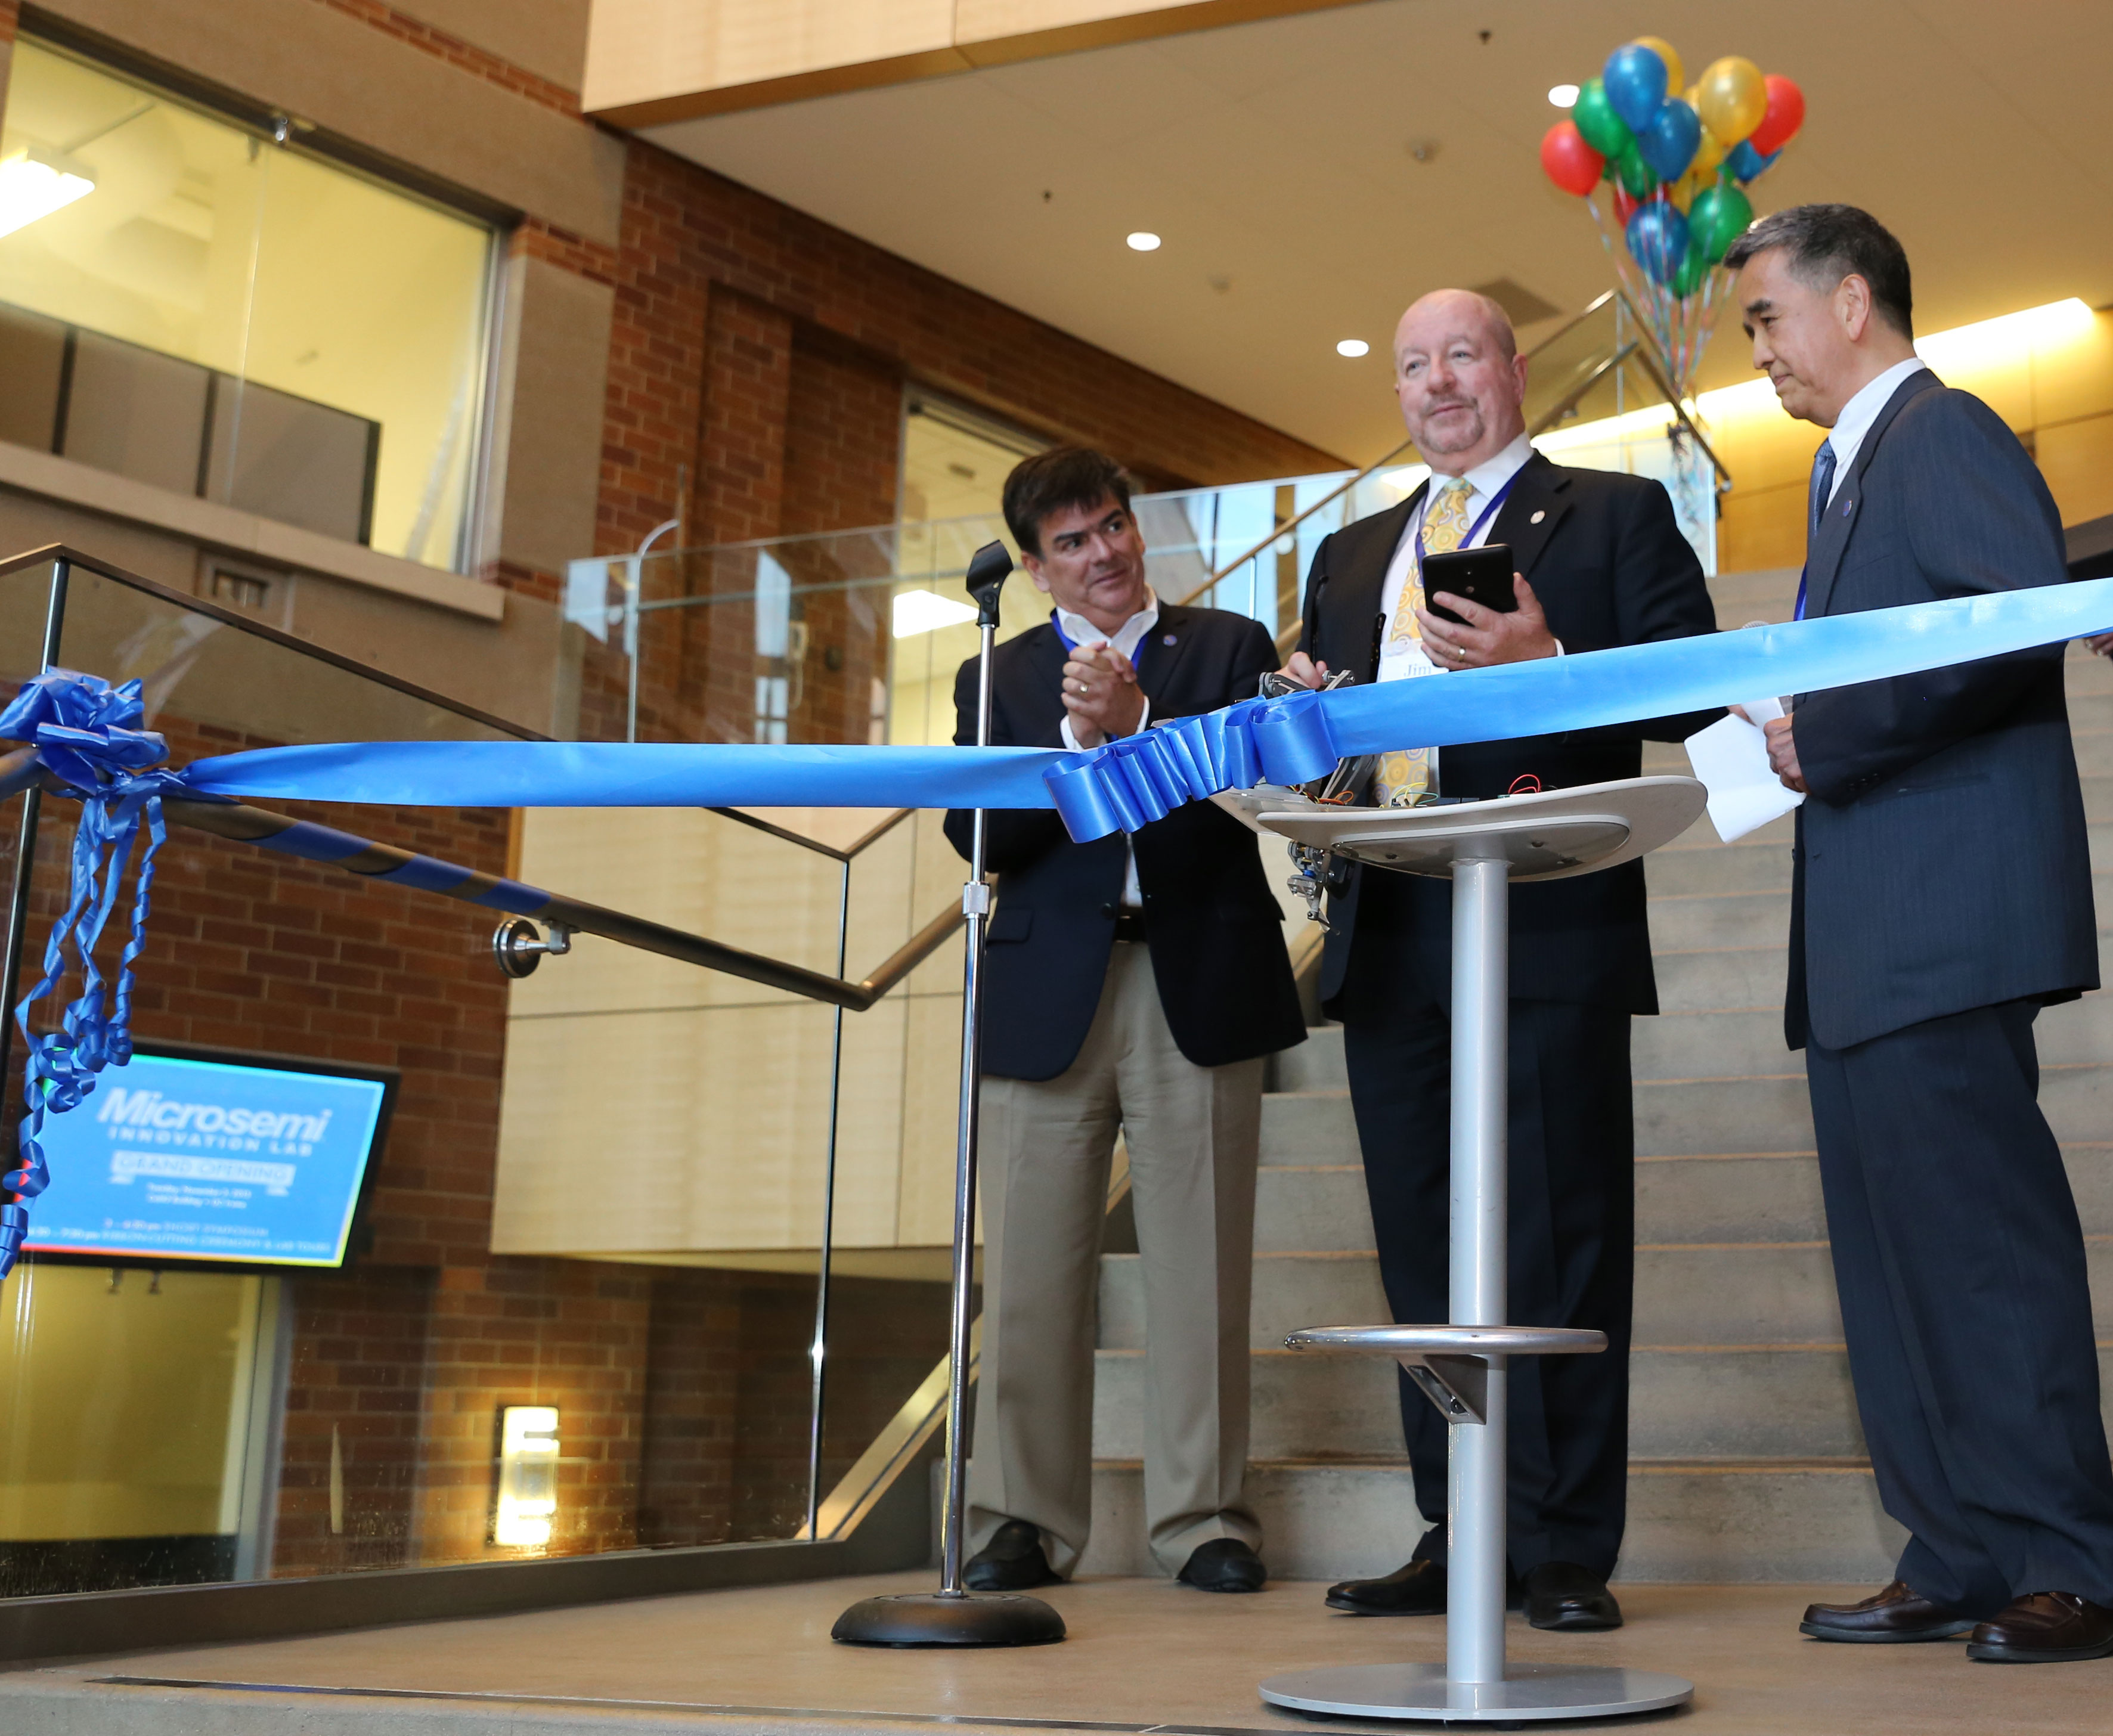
(1633, 172)
(1718, 217)
(1603, 130)
(1693, 270)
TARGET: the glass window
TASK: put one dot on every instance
(187, 302)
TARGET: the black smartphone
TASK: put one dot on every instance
(1481, 575)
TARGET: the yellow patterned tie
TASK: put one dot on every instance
(1405, 775)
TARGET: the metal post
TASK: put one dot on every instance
(976, 907)
(953, 1616)
(1475, 1544)
(818, 1354)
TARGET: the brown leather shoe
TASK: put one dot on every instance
(2047, 1628)
(1895, 1617)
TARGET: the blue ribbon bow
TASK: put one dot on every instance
(82, 731)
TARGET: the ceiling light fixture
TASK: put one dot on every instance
(34, 183)
(1142, 240)
(1563, 96)
(1353, 346)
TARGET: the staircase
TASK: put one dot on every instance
(1746, 1460)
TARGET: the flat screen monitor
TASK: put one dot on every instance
(186, 1156)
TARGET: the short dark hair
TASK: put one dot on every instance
(1827, 243)
(1050, 481)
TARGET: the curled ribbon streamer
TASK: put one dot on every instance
(82, 729)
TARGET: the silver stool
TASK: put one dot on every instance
(1482, 846)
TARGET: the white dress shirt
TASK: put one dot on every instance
(1401, 659)
(1854, 422)
(1126, 639)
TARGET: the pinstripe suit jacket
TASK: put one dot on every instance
(1942, 863)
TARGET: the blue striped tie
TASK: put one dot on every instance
(1822, 489)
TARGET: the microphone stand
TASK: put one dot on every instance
(953, 1615)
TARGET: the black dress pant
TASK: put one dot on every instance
(1572, 1253)
(1964, 1300)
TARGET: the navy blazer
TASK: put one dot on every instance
(1605, 555)
(1215, 928)
(1942, 863)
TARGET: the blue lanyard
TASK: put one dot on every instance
(1474, 529)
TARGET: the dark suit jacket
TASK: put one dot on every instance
(1604, 553)
(1942, 863)
(1214, 928)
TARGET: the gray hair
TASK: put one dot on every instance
(1824, 243)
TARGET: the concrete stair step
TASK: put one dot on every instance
(1308, 1127)
(1743, 867)
(1710, 1200)
(1688, 1046)
(1320, 1208)
(1706, 1116)
(1721, 921)
(1688, 1294)
(1753, 1402)
(1315, 1065)
(1707, 979)
(1696, 1521)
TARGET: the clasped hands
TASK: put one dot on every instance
(1100, 694)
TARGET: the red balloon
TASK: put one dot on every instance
(1785, 115)
(1570, 163)
(1625, 205)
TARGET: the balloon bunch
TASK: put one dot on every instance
(1677, 166)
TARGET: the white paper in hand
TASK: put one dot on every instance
(1731, 757)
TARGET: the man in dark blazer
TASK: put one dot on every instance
(1133, 985)
(1941, 897)
(1600, 562)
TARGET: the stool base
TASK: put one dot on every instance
(1420, 1691)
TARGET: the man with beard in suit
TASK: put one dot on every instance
(1600, 561)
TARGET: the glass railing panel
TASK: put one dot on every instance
(162, 1424)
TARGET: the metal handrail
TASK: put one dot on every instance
(243, 823)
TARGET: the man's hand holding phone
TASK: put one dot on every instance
(1483, 636)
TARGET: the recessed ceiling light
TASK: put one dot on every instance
(1353, 346)
(1143, 240)
(1563, 96)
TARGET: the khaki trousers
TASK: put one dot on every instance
(1192, 1133)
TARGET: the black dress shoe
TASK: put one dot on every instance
(1418, 1589)
(1012, 1561)
(1565, 1598)
(2047, 1628)
(1895, 1617)
(1224, 1564)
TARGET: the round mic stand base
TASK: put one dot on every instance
(935, 1618)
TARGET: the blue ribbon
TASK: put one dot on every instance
(82, 728)
(1131, 781)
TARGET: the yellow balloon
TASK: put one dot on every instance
(1732, 98)
(1675, 75)
(1708, 152)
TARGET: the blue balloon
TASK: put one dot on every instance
(1742, 163)
(1657, 240)
(1668, 143)
(1635, 80)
